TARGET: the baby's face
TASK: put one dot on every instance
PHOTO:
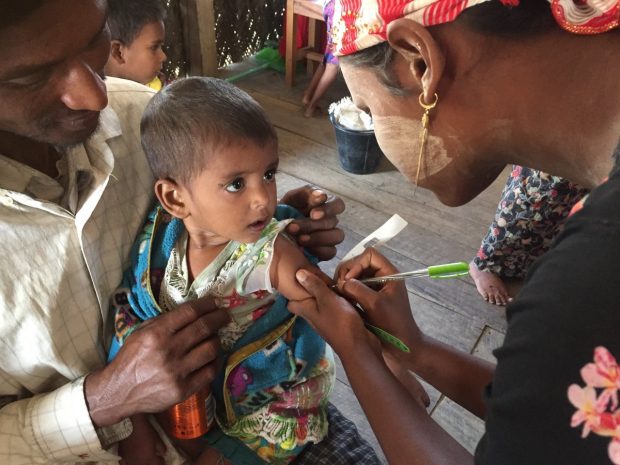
(235, 196)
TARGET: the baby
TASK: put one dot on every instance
(214, 154)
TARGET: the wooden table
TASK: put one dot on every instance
(313, 9)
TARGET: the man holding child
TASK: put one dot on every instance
(74, 190)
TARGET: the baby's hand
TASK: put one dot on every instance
(144, 446)
(211, 456)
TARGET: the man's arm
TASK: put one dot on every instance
(54, 427)
(161, 363)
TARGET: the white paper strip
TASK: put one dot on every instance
(386, 232)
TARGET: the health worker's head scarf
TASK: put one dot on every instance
(359, 24)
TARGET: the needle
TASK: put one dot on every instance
(447, 270)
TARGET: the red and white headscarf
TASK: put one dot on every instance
(359, 24)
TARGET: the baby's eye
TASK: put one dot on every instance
(270, 175)
(236, 185)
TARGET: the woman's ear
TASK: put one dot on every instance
(116, 52)
(172, 198)
(418, 47)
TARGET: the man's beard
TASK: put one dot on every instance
(50, 131)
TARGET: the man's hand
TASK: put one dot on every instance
(318, 232)
(162, 363)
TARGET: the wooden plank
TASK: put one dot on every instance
(311, 8)
(273, 84)
(466, 428)
(317, 164)
(490, 340)
(205, 15)
(291, 43)
(191, 36)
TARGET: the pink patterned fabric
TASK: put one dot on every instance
(359, 24)
(597, 402)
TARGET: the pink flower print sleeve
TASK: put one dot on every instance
(597, 401)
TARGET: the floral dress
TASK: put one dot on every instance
(328, 14)
(273, 393)
(529, 216)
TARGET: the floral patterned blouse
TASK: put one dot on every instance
(238, 277)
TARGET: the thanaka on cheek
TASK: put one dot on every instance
(399, 139)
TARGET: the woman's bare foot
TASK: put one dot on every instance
(490, 286)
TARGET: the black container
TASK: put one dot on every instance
(358, 151)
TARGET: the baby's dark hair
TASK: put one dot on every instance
(494, 18)
(126, 18)
(191, 118)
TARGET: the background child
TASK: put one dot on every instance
(529, 216)
(215, 156)
(326, 73)
(138, 33)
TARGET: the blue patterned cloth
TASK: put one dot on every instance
(278, 353)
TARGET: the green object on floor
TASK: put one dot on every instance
(268, 58)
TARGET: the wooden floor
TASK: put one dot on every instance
(450, 310)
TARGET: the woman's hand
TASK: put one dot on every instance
(387, 308)
(318, 232)
(340, 324)
(330, 315)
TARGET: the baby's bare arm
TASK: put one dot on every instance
(143, 446)
(287, 259)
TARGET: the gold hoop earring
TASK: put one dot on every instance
(424, 132)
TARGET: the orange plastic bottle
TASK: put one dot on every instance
(193, 417)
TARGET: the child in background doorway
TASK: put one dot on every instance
(215, 157)
(137, 32)
(326, 73)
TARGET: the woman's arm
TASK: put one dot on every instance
(459, 375)
(407, 434)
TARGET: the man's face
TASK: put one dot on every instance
(51, 72)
